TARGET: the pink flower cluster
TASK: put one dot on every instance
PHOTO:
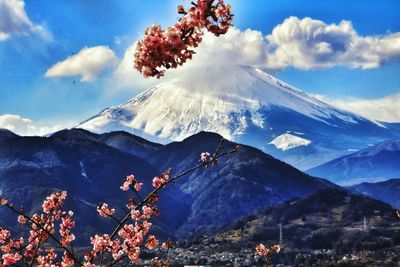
(8, 246)
(10, 259)
(131, 237)
(42, 226)
(66, 226)
(161, 180)
(105, 211)
(265, 252)
(130, 179)
(160, 50)
(54, 201)
(47, 259)
(3, 201)
(262, 250)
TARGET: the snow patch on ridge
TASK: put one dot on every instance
(287, 141)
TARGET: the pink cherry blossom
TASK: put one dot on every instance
(54, 201)
(21, 219)
(10, 258)
(160, 181)
(152, 242)
(262, 250)
(100, 243)
(4, 235)
(105, 211)
(161, 50)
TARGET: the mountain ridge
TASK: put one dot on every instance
(374, 163)
(92, 171)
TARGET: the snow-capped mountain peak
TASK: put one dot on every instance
(211, 99)
(242, 104)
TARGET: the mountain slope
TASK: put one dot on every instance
(120, 140)
(241, 183)
(386, 191)
(378, 162)
(245, 105)
(33, 167)
(323, 229)
(92, 171)
(6, 134)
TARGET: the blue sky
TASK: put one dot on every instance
(56, 30)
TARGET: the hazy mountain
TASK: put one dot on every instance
(387, 191)
(374, 163)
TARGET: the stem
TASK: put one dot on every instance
(102, 258)
(116, 261)
(38, 244)
(36, 250)
(137, 194)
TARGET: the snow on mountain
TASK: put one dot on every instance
(287, 141)
(243, 104)
(210, 100)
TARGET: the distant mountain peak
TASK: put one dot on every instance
(388, 146)
(375, 163)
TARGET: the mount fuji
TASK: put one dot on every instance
(246, 105)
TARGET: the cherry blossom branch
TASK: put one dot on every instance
(35, 251)
(132, 236)
(205, 161)
(161, 50)
(55, 239)
(176, 177)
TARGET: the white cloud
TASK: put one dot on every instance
(125, 76)
(88, 63)
(312, 44)
(380, 109)
(236, 47)
(301, 43)
(15, 21)
(24, 126)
